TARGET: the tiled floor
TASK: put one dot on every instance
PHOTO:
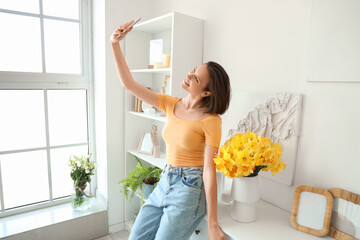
(123, 235)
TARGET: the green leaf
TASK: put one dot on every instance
(137, 176)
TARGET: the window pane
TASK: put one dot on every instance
(67, 116)
(62, 47)
(63, 8)
(24, 178)
(60, 170)
(22, 121)
(20, 44)
(30, 6)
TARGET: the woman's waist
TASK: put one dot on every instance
(179, 159)
(185, 162)
(183, 170)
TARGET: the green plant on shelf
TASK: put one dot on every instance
(135, 179)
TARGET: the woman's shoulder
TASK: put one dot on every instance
(212, 117)
(167, 98)
(166, 101)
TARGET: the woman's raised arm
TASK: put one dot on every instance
(123, 71)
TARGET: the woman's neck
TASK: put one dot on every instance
(191, 103)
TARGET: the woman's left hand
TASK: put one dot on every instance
(215, 233)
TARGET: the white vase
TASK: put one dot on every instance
(245, 194)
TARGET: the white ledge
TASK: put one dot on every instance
(272, 223)
(28, 221)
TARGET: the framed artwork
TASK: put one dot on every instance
(146, 145)
(345, 218)
(312, 209)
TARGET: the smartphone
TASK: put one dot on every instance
(136, 21)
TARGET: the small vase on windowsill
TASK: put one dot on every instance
(82, 168)
(80, 198)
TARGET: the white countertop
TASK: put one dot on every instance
(271, 223)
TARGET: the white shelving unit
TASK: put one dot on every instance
(183, 39)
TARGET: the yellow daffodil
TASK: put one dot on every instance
(246, 154)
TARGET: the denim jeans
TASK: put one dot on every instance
(175, 207)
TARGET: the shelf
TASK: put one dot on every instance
(271, 223)
(155, 25)
(154, 70)
(159, 162)
(154, 116)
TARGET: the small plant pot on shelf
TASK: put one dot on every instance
(148, 187)
(147, 190)
(142, 178)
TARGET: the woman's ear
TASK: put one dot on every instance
(205, 94)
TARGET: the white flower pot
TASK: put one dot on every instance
(245, 193)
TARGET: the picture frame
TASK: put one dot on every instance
(345, 217)
(145, 144)
(156, 51)
(312, 209)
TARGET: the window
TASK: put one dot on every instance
(45, 99)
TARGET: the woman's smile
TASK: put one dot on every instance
(186, 83)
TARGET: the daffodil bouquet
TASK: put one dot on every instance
(244, 155)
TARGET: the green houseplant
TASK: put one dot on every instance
(138, 178)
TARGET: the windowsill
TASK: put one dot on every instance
(47, 216)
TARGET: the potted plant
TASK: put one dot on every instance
(141, 177)
(82, 168)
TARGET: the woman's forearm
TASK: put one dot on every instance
(121, 66)
(209, 177)
(123, 71)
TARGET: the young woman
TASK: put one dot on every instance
(187, 188)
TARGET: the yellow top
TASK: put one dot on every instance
(185, 139)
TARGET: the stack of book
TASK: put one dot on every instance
(138, 105)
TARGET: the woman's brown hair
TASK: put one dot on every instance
(219, 86)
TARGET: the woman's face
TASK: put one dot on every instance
(196, 80)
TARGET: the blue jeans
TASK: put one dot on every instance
(175, 207)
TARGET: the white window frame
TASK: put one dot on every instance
(55, 81)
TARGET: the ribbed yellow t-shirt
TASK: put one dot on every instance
(185, 139)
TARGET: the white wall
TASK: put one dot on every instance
(263, 46)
